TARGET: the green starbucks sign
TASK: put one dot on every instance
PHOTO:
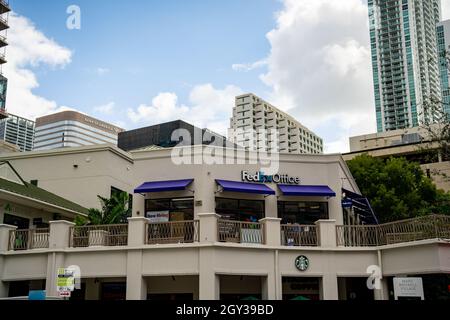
(302, 263)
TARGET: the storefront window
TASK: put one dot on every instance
(240, 210)
(164, 210)
(302, 212)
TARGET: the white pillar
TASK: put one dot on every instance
(327, 233)
(208, 227)
(4, 246)
(209, 281)
(138, 205)
(60, 234)
(59, 239)
(330, 287)
(383, 292)
(272, 231)
(136, 283)
(271, 207)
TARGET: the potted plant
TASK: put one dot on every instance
(113, 211)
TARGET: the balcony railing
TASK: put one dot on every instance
(99, 236)
(423, 228)
(173, 232)
(299, 235)
(28, 239)
(240, 232)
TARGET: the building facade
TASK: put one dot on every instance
(443, 34)
(18, 131)
(259, 126)
(412, 143)
(208, 231)
(404, 60)
(168, 135)
(72, 129)
(4, 12)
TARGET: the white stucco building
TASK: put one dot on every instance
(217, 231)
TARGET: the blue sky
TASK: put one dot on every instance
(136, 62)
(147, 47)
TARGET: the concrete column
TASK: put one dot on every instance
(383, 292)
(4, 246)
(60, 234)
(269, 291)
(209, 281)
(271, 207)
(327, 233)
(330, 287)
(136, 284)
(137, 231)
(272, 233)
(208, 227)
(4, 236)
(138, 205)
(59, 239)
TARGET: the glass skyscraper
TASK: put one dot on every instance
(4, 10)
(404, 60)
(443, 36)
(18, 131)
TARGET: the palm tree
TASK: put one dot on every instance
(113, 211)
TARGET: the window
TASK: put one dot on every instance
(179, 209)
(302, 212)
(116, 192)
(240, 210)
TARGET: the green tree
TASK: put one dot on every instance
(397, 189)
(113, 211)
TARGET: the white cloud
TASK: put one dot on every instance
(106, 108)
(319, 67)
(102, 71)
(246, 67)
(208, 107)
(28, 47)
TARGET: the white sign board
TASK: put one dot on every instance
(158, 216)
(408, 288)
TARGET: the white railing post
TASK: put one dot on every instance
(271, 231)
(60, 234)
(326, 233)
(5, 236)
(137, 227)
(208, 227)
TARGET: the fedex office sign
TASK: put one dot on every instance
(262, 178)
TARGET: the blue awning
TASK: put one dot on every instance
(245, 187)
(161, 186)
(307, 191)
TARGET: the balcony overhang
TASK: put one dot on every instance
(4, 7)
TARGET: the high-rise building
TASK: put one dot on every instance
(72, 129)
(18, 131)
(443, 36)
(255, 122)
(404, 60)
(4, 11)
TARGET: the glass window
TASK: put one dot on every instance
(179, 209)
(302, 212)
(240, 210)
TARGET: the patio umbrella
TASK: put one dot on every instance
(300, 298)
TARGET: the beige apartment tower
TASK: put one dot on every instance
(259, 126)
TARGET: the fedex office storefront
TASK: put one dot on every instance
(305, 189)
(247, 214)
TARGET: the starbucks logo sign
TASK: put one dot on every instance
(302, 263)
